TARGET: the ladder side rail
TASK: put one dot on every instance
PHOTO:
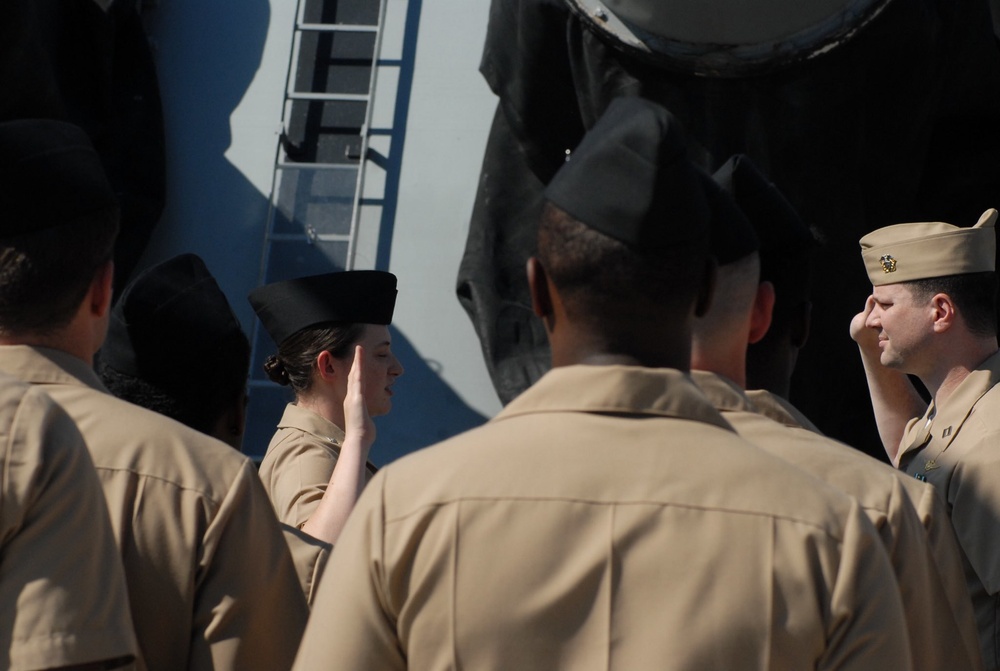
(362, 164)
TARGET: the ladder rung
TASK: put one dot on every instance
(305, 237)
(336, 97)
(336, 28)
(291, 165)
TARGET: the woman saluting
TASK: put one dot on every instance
(334, 351)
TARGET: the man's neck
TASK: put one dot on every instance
(730, 364)
(946, 378)
(661, 341)
(60, 340)
(591, 353)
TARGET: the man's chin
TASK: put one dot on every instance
(890, 361)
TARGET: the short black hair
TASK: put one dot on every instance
(974, 294)
(600, 278)
(45, 274)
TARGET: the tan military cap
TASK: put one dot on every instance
(907, 252)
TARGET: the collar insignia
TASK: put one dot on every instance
(888, 263)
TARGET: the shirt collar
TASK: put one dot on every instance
(630, 390)
(297, 417)
(722, 392)
(946, 420)
(779, 409)
(43, 365)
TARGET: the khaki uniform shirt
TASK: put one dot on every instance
(780, 410)
(210, 579)
(62, 589)
(607, 518)
(296, 471)
(309, 555)
(956, 448)
(939, 639)
(930, 509)
(299, 461)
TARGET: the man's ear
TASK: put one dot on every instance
(101, 290)
(943, 312)
(538, 286)
(762, 312)
(706, 292)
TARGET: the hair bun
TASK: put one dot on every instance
(275, 370)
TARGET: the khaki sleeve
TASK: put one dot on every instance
(63, 599)
(865, 630)
(249, 608)
(309, 556)
(351, 626)
(950, 571)
(298, 479)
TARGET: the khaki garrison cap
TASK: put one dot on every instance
(907, 252)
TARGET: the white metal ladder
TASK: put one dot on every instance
(307, 230)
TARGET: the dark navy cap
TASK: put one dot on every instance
(786, 243)
(169, 317)
(779, 227)
(630, 179)
(733, 236)
(352, 297)
(50, 175)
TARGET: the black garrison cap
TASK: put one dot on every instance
(785, 239)
(778, 225)
(170, 317)
(50, 175)
(733, 236)
(354, 297)
(630, 179)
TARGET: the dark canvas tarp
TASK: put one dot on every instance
(89, 63)
(898, 124)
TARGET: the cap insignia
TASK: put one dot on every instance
(888, 263)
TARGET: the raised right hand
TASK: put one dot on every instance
(867, 338)
(357, 421)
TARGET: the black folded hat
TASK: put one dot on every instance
(733, 236)
(350, 297)
(50, 175)
(170, 317)
(630, 179)
(779, 227)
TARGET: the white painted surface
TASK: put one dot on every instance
(450, 112)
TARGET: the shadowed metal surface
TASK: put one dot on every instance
(898, 124)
